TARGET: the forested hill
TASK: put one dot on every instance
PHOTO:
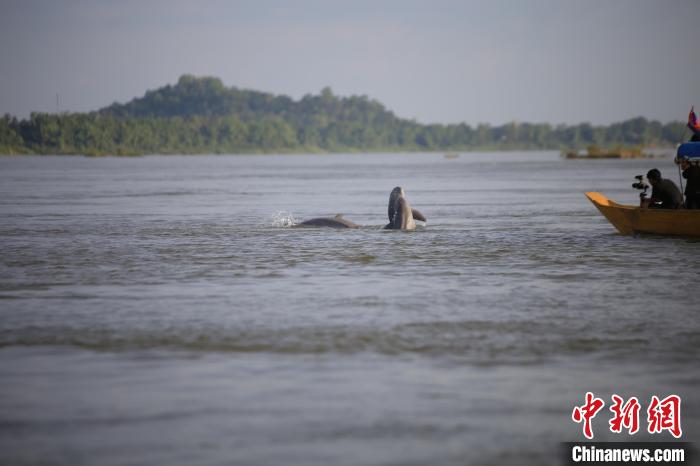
(208, 97)
(202, 97)
(201, 115)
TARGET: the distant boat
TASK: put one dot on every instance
(632, 219)
(595, 152)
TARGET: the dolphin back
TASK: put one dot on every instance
(331, 222)
(395, 193)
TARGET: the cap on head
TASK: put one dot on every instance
(653, 174)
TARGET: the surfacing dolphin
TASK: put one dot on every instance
(332, 222)
(401, 215)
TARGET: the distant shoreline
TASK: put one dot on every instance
(202, 116)
(451, 154)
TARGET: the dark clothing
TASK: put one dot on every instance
(667, 193)
(692, 187)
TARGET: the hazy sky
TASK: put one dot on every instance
(557, 61)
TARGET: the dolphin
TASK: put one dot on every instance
(332, 222)
(401, 215)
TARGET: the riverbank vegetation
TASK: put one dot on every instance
(201, 115)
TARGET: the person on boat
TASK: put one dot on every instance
(694, 125)
(691, 172)
(664, 193)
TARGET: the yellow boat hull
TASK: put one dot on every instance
(632, 219)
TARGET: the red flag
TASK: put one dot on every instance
(693, 120)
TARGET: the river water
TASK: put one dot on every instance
(161, 310)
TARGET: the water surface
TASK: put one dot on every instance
(161, 310)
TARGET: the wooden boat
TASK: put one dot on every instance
(630, 219)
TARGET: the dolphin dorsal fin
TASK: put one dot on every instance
(338, 215)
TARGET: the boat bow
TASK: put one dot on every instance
(629, 219)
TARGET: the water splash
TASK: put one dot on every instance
(283, 219)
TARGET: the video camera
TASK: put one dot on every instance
(642, 186)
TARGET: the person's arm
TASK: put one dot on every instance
(655, 197)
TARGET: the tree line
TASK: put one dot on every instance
(201, 115)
